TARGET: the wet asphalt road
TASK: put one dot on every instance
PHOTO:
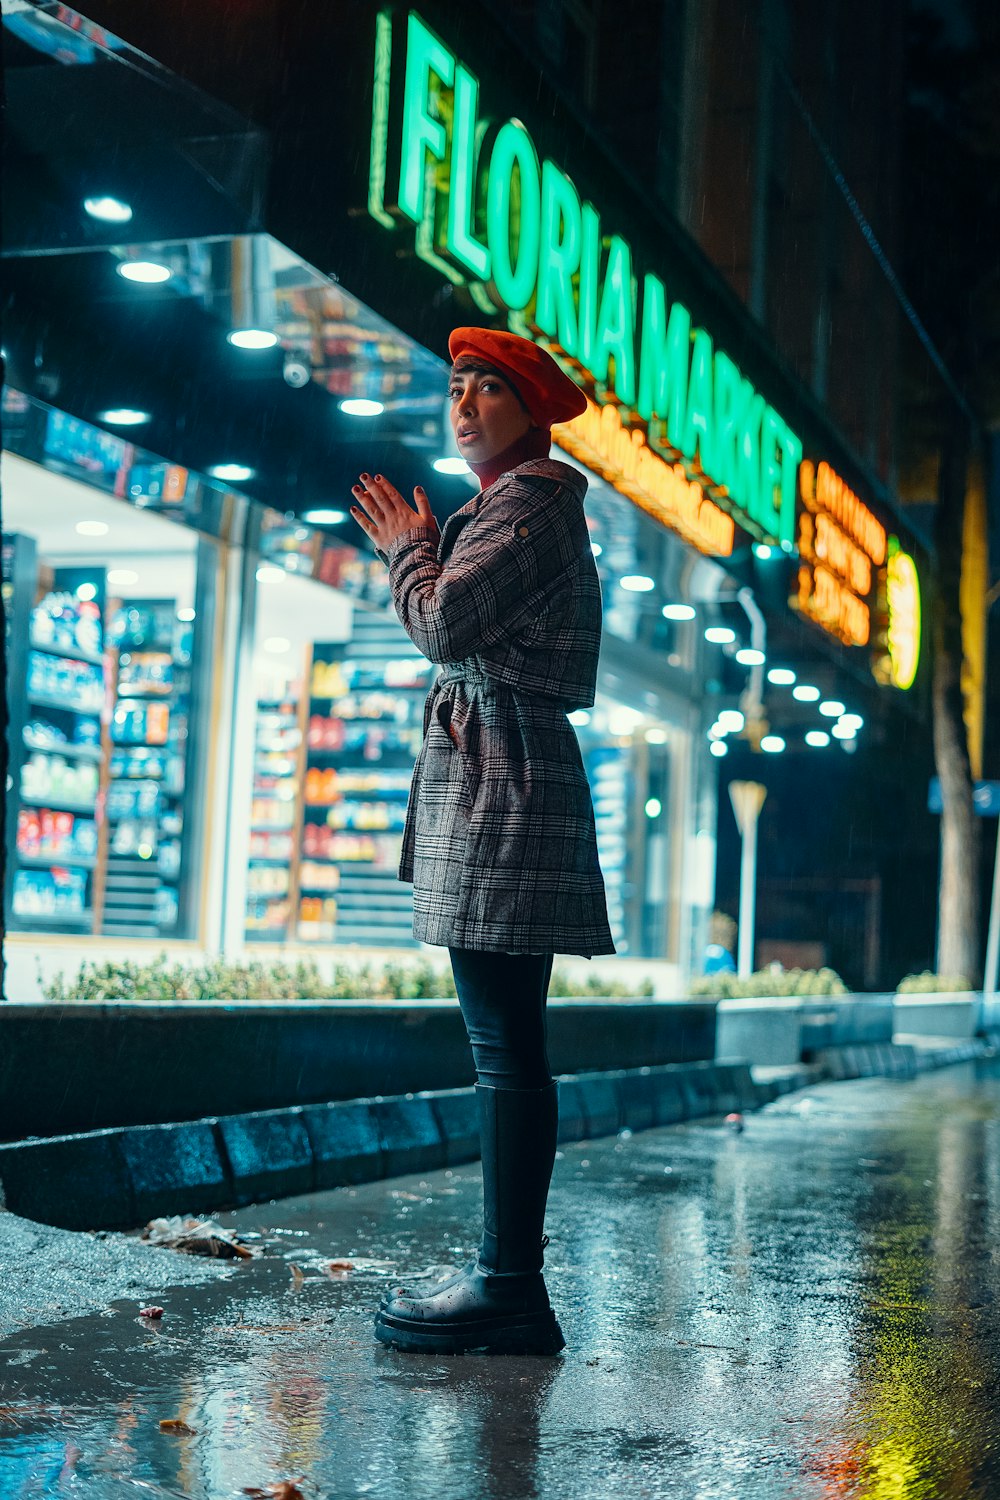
(808, 1309)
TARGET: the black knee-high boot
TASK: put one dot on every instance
(498, 1303)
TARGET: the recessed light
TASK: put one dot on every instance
(579, 717)
(233, 472)
(596, 548)
(636, 583)
(87, 591)
(109, 210)
(656, 736)
(268, 573)
(653, 807)
(679, 611)
(277, 644)
(772, 744)
(731, 720)
(148, 272)
(322, 517)
(831, 709)
(452, 465)
(761, 550)
(844, 731)
(781, 676)
(92, 528)
(185, 616)
(718, 747)
(818, 738)
(804, 693)
(750, 657)
(122, 576)
(360, 406)
(720, 635)
(123, 416)
(851, 721)
(252, 338)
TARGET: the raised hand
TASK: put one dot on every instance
(384, 515)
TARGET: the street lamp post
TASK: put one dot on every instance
(747, 798)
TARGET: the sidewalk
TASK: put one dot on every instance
(802, 1309)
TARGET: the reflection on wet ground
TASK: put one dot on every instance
(807, 1309)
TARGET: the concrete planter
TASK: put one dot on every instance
(91, 1066)
(946, 1015)
(779, 1031)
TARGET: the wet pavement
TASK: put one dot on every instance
(806, 1309)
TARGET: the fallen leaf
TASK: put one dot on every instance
(178, 1425)
(285, 1489)
(151, 1312)
(341, 1265)
(298, 1276)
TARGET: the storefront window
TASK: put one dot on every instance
(106, 604)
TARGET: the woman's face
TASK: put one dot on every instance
(486, 413)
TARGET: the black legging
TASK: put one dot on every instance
(502, 996)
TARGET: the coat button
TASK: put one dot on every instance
(522, 531)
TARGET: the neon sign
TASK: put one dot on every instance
(839, 542)
(490, 214)
(902, 589)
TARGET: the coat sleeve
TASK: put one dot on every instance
(514, 550)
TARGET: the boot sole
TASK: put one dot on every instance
(539, 1334)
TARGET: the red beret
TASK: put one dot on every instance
(549, 395)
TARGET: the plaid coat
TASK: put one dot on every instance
(499, 839)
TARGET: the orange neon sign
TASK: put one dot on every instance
(839, 542)
(621, 455)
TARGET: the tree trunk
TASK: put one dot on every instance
(958, 888)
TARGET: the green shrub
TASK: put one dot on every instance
(933, 984)
(769, 982)
(218, 979)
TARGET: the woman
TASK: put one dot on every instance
(499, 839)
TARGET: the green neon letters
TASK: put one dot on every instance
(490, 214)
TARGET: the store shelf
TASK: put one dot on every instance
(58, 804)
(76, 752)
(57, 861)
(76, 920)
(69, 653)
(71, 705)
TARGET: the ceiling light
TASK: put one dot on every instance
(761, 550)
(781, 676)
(718, 747)
(109, 210)
(844, 731)
(772, 744)
(87, 591)
(656, 736)
(579, 717)
(360, 406)
(123, 416)
(252, 338)
(720, 635)
(831, 709)
(596, 548)
(817, 738)
(636, 583)
(185, 616)
(804, 693)
(122, 576)
(92, 528)
(653, 807)
(277, 644)
(716, 732)
(851, 721)
(321, 517)
(234, 472)
(731, 720)
(268, 573)
(452, 465)
(679, 611)
(749, 656)
(147, 271)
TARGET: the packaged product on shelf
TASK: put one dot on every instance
(74, 684)
(45, 775)
(146, 672)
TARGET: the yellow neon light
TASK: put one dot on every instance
(903, 594)
(823, 489)
(622, 456)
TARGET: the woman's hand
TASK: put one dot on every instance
(384, 515)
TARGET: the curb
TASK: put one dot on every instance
(118, 1179)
